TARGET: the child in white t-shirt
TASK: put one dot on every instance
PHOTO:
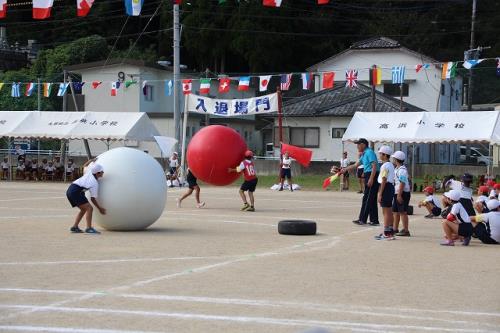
(5, 168)
(430, 203)
(386, 192)
(286, 171)
(403, 194)
(487, 226)
(480, 203)
(344, 163)
(457, 223)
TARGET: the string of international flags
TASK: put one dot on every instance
(42, 8)
(449, 70)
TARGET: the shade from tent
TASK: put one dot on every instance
(425, 127)
(78, 125)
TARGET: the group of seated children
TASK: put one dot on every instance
(44, 170)
(463, 217)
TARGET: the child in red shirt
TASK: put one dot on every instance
(250, 183)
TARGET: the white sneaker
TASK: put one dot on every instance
(200, 205)
(178, 203)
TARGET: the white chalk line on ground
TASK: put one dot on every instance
(246, 319)
(298, 248)
(31, 199)
(26, 328)
(35, 209)
(306, 306)
(250, 215)
(32, 216)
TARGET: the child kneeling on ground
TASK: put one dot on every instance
(457, 224)
(487, 226)
(430, 203)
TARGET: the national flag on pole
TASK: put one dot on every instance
(375, 76)
(96, 84)
(398, 74)
(169, 84)
(129, 83)
(204, 86)
(328, 80)
(449, 70)
(264, 82)
(419, 67)
(472, 63)
(306, 80)
(16, 90)
(47, 87)
(133, 7)
(41, 9)
(330, 180)
(1, 85)
(224, 85)
(498, 66)
(3, 8)
(323, 2)
(244, 83)
(114, 88)
(83, 7)
(29, 89)
(301, 155)
(271, 3)
(62, 89)
(351, 78)
(186, 86)
(286, 80)
(77, 87)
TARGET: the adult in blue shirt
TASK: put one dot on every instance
(369, 161)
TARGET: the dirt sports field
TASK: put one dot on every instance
(221, 270)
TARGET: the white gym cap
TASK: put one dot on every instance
(399, 155)
(453, 195)
(385, 150)
(493, 204)
(96, 168)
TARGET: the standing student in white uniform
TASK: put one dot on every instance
(286, 171)
(344, 163)
(386, 192)
(76, 196)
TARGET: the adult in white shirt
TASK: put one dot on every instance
(344, 163)
(173, 168)
(76, 196)
(286, 171)
(487, 226)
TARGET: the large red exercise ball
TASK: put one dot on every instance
(212, 151)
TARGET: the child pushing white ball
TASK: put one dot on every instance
(134, 190)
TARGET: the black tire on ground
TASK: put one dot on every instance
(297, 227)
(410, 210)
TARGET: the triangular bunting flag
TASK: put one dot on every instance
(306, 81)
(375, 76)
(114, 88)
(224, 85)
(1, 85)
(133, 7)
(286, 81)
(472, 63)
(3, 8)
(449, 70)
(16, 91)
(129, 83)
(398, 74)
(271, 3)
(351, 78)
(328, 80)
(419, 67)
(96, 84)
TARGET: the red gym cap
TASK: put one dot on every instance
(429, 189)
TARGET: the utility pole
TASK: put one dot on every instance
(177, 70)
(471, 47)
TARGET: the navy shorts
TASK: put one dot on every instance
(401, 208)
(436, 211)
(76, 195)
(360, 173)
(192, 181)
(286, 173)
(387, 195)
(173, 171)
(249, 185)
(465, 229)
(482, 233)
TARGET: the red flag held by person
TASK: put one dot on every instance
(330, 180)
(301, 155)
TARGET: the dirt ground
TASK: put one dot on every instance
(219, 269)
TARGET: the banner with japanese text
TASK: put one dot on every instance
(232, 107)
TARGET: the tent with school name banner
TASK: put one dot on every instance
(425, 127)
(77, 125)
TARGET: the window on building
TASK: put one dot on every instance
(148, 96)
(304, 136)
(394, 89)
(338, 133)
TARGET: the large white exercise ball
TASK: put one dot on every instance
(133, 190)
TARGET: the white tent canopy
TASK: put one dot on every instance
(425, 127)
(77, 125)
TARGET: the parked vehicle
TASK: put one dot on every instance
(474, 155)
